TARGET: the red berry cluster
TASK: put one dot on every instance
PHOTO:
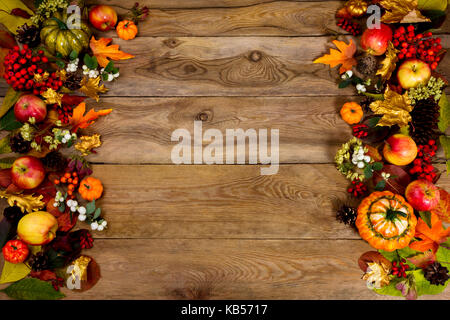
(421, 45)
(64, 112)
(422, 166)
(86, 241)
(20, 67)
(57, 283)
(360, 130)
(399, 268)
(357, 189)
(350, 26)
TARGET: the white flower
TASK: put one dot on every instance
(110, 77)
(63, 140)
(360, 157)
(82, 217)
(73, 209)
(67, 136)
(367, 159)
(100, 228)
(94, 225)
(360, 87)
(104, 223)
(74, 203)
(82, 210)
(55, 204)
(116, 75)
(85, 67)
(69, 202)
(361, 165)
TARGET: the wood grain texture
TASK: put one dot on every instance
(229, 269)
(240, 18)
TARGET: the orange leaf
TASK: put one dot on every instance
(3, 53)
(102, 51)
(344, 57)
(81, 120)
(443, 207)
(432, 237)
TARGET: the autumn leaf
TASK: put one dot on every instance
(91, 88)
(11, 17)
(443, 208)
(52, 97)
(102, 51)
(389, 63)
(81, 120)
(26, 203)
(422, 260)
(401, 11)
(432, 237)
(343, 56)
(395, 108)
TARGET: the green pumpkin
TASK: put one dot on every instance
(59, 39)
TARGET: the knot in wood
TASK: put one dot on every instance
(172, 43)
(255, 56)
(204, 116)
(190, 69)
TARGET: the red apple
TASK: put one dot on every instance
(37, 228)
(30, 106)
(422, 195)
(103, 17)
(27, 172)
(376, 41)
(413, 72)
(400, 149)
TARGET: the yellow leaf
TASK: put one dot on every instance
(91, 88)
(395, 109)
(403, 11)
(52, 97)
(13, 272)
(389, 63)
(12, 22)
(102, 51)
(26, 203)
(88, 143)
(344, 56)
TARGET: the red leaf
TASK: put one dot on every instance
(65, 223)
(44, 275)
(70, 100)
(52, 209)
(423, 259)
(20, 13)
(5, 178)
(46, 189)
(399, 181)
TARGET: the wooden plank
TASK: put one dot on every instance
(234, 202)
(239, 18)
(310, 128)
(229, 269)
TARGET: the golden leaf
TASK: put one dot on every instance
(395, 109)
(403, 11)
(88, 143)
(27, 203)
(91, 88)
(40, 77)
(62, 74)
(52, 97)
(389, 63)
(377, 274)
(102, 51)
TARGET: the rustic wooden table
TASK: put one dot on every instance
(225, 231)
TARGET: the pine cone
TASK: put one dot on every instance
(29, 35)
(424, 124)
(19, 145)
(39, 261)
(73, 81)
(55, 161)
(367, 65)
(436, 274)
(346, 215)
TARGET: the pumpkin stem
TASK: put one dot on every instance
(392, 214)
(61, 24)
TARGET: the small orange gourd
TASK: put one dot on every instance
(126, 30)
(386, 221)
(351, 112)
(90, 188)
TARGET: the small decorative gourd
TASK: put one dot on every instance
(351, 112)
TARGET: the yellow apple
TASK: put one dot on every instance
(37, 228)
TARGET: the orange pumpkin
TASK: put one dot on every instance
(90, 188)
(126, 30)
(351, 112)
(386, 221)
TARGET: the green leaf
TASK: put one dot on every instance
(423, 286)
(444, 116)
(97, 213)
(6, 163)
(344, 84)
(13, 272)
(12, 22)
(32, 289)
(445, 143)
(4, 145)
(9, 122)
(380, 185)
(440, 5)
(73, 55)
(60, 64)
(109, 67)
(377, 166)
(104, 76)
(373, 122)
(426, 217)
(443, 257)
(90, 207)
(390, 289)
(368, 173)
(10, 99)
(90, 62)
(62, 207)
